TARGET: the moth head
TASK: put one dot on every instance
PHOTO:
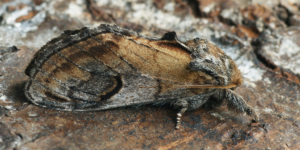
(210, 59)
(203, 49)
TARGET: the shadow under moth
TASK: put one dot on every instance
(108, 66)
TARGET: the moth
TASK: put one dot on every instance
(107, 67)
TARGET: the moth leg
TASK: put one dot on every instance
(236, 102)
(183, 105)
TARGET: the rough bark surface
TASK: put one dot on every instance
(262, 37)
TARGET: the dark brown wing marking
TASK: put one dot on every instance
(104, 54)
(117, 87)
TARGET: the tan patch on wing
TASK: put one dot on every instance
(46, 80)
(171, 48)
(65, 69)
(166, 63)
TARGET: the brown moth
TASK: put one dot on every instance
(108, 67)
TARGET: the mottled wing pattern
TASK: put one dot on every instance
(108, 67)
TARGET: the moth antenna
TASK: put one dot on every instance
(207, 86)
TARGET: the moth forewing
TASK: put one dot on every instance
(108, 67)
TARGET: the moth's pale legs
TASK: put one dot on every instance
(183, 105)
(189, 103)
(182, 110)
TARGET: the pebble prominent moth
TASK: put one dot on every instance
(108, 66)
